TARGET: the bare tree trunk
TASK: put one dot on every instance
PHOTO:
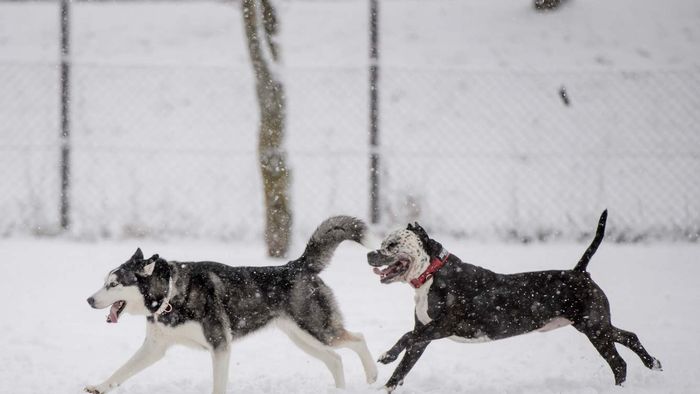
(260, 23)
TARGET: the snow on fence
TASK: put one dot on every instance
(170, 150)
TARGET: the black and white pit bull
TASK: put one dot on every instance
(467, 303)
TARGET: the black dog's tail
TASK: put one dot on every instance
(326, 239)
(599, 233)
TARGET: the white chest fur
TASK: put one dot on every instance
(187, 334)
(421, 299)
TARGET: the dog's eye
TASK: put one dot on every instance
(113, 284)
(392, 245)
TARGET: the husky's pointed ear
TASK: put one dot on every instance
(148, 268)
(138, 255)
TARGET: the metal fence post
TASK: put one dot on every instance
(65, 114)
(374, 110)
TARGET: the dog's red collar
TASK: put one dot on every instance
(435, 264)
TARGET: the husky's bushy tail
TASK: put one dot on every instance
(599, 233)
(326, 239)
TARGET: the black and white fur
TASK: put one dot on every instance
(209, 305)
(467, 303)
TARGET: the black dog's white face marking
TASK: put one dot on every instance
(403, 255)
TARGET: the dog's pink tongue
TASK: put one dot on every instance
(113, 316)
(381, 272)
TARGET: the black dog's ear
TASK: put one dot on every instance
(154, 257)
(432, 247)
(420, 232)
(138, 255)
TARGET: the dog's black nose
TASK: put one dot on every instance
(91, 301)
(373, 258)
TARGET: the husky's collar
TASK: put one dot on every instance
(435, 264)
(165, 306)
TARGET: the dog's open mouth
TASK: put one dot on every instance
(392, 271)
(116, 310)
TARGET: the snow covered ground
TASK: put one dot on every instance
(51, 341)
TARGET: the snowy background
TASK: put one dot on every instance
(475, 143)
(475, 140)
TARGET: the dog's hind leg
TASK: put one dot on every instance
(602, 339)
(630, 340)
(316, 349)
(356, 343)
(220, 360)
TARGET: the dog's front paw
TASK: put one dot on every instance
(391, 386)
(372, 375)
(99, 389)
(387, 358)
(92, 390)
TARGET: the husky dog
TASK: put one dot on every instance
(467, 303)
(208, 305)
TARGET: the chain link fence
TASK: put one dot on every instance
(502, 154)
(29, 149)
(165, 151)
(172, 151)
